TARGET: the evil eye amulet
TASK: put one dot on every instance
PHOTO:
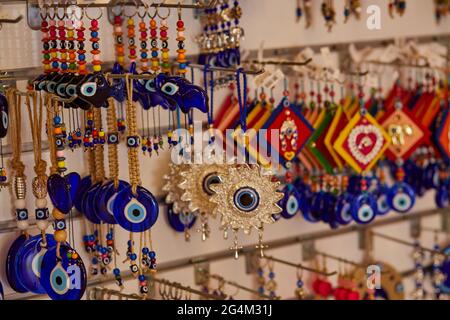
(83, 187)
(342, 209)
(95, 90)
(65, 279)
(105, 200)
(135, 212)
(442, 197)
(401, 197)
(290, 202)
(180, 221)
(11, 261)
(29, 262)
(59, 192)
(383, 206)
(4, 116)
(88, 204)
(364, 208)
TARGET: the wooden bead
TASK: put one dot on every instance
(58, 215)
(60, 235)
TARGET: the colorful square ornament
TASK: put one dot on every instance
(406, 133)
(294, 131)
(363, 142)
(442, 138)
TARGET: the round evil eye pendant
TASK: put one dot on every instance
(343, 214)
(182, 221)
(364, 208)
(401, 197)
(135, 212)
(246, 199)
(290, 202)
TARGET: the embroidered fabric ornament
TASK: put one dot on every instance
(363, 142)
(294, 130)
(406, 133)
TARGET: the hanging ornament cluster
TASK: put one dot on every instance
(222, 34)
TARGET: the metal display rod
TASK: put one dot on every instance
(227, 254)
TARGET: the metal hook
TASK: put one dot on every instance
(85, 10)
(136, 9)
(157, 11)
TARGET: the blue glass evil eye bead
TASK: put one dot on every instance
(12, 275)
(364, 208)
(73, 180)
(342, 209)
(65, 279)
(4, 116)
(59, 193)
(29, 261)
(382, 195)
(401, 197)
(105, 200)
(180, 221)
(88, 204)
(83, 186)
(135, 212)
(442, 197)
(290, 203)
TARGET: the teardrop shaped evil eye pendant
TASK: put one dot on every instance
(135, 213)
(401, 197)
(291, 202)
(65, 278)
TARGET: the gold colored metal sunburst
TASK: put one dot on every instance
(174, 193)
(246, 198)
(196, 185)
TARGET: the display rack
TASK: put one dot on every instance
(248, 250)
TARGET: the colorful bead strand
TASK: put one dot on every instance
(46, 46)
(165, 59)
(154, 44)
(131, 41)
(143, 49)
(53, 46)
(71, 47)
(181, 46)
(118, 35)
(81, 49)
(97, 64)
(62, 46)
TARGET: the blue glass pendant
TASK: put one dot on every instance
(73, 180)
(83, 187)
(155, 99)
(381, 194)
(64, 280)
(431, 180)
(118, 88)
(401, 197)
(29, 260)
(135, 213)
(95, 90)
(180, 221)
(11, 272)
(290, 202)
(179, 92)
(442, 197)
(317, 207)
(364, 208)
(59, 192)
(106, 196)
(445, 269)
(4, 116)
(329, 215)
(88, 204)
(343, 214)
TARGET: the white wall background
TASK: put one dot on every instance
(274, 23)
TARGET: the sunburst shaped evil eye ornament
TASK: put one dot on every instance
(197, 183)
(246, 198)
(174, 192)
